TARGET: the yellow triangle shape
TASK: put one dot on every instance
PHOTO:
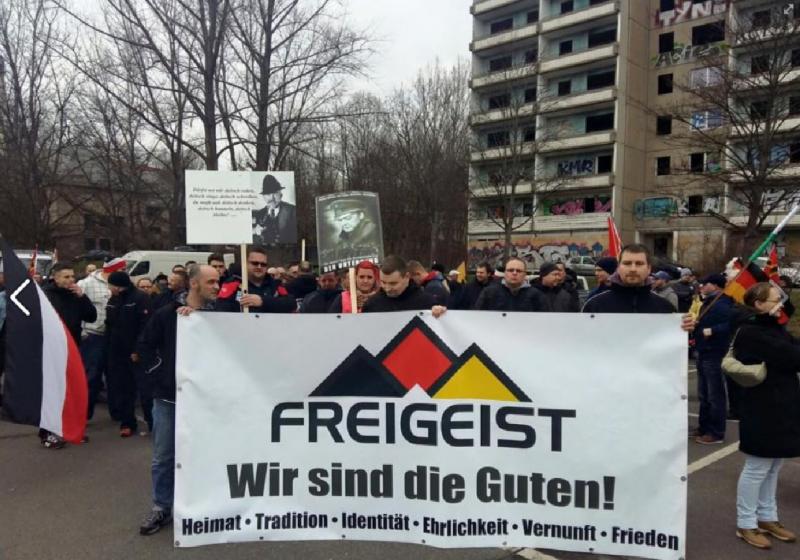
(474, 380)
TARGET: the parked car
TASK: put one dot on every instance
(582, 265)
(44, 260)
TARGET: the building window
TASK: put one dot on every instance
(761, 19)
(597, 38)
(533, 16)
(697, 162)
(600, 80)
(152, 212)
(105, 244)
(497, 139)
(597, 123)
(502, 25)
(708, 33)
(89, 244)
(498, 64)
(794, 153)
(531, 55)
(500, 101)
(664, 84)
(565, 87)
(663, 125)
(666, 5)
(759, 64)
(794, 105)
(567, 7)
(530, 95)
(663, 165)
(694, 203)
(666, 42)
(795, 58)
(706, 120)
(529, 134)
(565, 47)
(760, 110)
(604, 164)
(705, 77)
(596, 2)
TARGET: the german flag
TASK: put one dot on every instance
(744, 278)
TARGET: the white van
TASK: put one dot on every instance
(44, 260)
(152, 263)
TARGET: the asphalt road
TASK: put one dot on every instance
(86, 502)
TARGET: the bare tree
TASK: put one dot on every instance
(737, 115)
(508, 161)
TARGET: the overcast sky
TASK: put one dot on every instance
(413, 34)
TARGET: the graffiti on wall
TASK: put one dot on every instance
(576, 167)
(686, 53)
(574, 206)
(772, 199)
(535, 251)
(688, 10)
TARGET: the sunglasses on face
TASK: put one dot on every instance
(257, 263)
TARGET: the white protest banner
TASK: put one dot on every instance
(238, 207)
(481, 429)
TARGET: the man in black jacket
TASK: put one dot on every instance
(127, 313)
(262, 293)
(512, 293)
(321, 299)
(304, 283)
(630, 289)
(555, 296)
(157, 350)
(397, 292)
(72, 305)
(471, 291)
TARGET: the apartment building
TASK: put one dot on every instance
(604, 75)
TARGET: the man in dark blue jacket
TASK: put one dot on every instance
(262, 291)
(712, 338)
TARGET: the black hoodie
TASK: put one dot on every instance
(72, 309)
(627, 299)
(412, 299)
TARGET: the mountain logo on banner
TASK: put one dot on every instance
(416, 356)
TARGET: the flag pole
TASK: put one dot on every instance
(757, 253)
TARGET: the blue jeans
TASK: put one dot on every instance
(755, 494)
(93, 354)
(711, 392)
(163, 465)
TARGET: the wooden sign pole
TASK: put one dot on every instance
(303, 250)
(245, 287)
(353, 291)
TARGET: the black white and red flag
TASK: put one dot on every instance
(44, 382)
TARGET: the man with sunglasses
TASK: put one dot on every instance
(261, 296)
(513, 293)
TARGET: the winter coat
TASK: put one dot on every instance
(434, 285)
(413, 298)
(468, 295)
(597, 290)
(126, 316)
(96, 289)
(267, 290)
(301, 286)
(627, 299)
(685, 293)
(498, 297)
(557, 299)
(668, 294)
(72, 309)
(718, 318)
(319, 301)
(769, 413)
(166, 298)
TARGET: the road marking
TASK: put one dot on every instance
(16, 293)
(713, 457)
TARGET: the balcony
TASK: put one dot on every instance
(514, 150)
(791, 171)
(586, 15)
(580, 99)
(589, 140)
(755, 82)
(499, 115)
(484, 226)
(769, 223)
(587, 182)
(505, 38)
(593, 220)
(484, 6)
(788, 124)
(512, 74)
(577, 58)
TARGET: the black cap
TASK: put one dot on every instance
(119, 279)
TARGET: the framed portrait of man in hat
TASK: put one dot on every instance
(348, 229)
(276, 221)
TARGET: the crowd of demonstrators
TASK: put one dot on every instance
(512, 293)
(432, 283)
(556, 294)
(662, 288)
(367, 284)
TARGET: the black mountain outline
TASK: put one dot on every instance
(475, 350)
(381, 384)
(416, 323)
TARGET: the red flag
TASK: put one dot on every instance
(771, 270)
(32, 265)
(614, 241)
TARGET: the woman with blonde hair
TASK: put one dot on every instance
(769, 428)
